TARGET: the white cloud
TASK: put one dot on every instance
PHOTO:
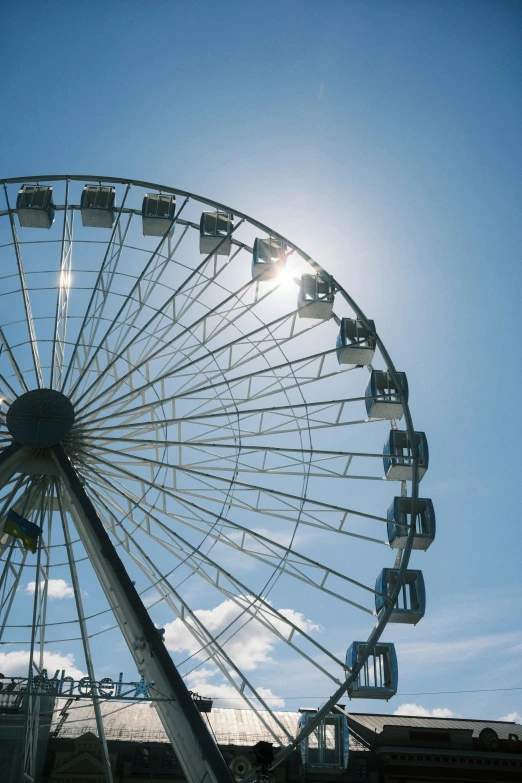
(56, 588)
(248, 643)
(416, 710)
(514, 717)
(271, 699)
(151, 599)
(225, 693)
(250, 646)
(16, 664)
(282, 536)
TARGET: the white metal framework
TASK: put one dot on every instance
(221, 454)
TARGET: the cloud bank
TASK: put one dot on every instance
(410, 708)
(16, 664)
(56, 588)
(246, 641)
(514, 717)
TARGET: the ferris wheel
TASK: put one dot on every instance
(192, 470)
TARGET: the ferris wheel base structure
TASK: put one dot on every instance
(188, 734)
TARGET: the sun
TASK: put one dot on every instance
(287, 280)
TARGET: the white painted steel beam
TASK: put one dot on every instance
(197, 752)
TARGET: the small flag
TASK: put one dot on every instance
(28, 532)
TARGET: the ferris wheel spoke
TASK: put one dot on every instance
(147, 284)
(293, 425)
(12, 487)
(294, 513)
(196, 515)
(99, 294)
(43, 566)
(165, 307)
(205, 476)
(16, 369)
(290, 567)
(144, 362)
(193, 558)
(256, 545)
(106, 283)
(25, 295)
(199, 279)
(96, 310)
(9, 590)
(211, 451)
(273, 381)
(138, 297)
(200, 284)
(209, 478)
(317, 415)
(85, 639)
(275, 385)
(7, 394)
(203, 333)
(231, 310)
(200, 333)
(218, 577)
(229, 317)
(296, 510)
(207, 641)
(262, 460)
(127, 314)
(23, 496)
(256, 349)
(62, 299)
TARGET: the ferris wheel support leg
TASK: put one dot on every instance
(197, 752)
(10, 460)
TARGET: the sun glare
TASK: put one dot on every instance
(287, 280)
(65, 280)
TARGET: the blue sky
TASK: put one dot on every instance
(385, 140)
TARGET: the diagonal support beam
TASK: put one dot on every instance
(197, 752)
(10, 460)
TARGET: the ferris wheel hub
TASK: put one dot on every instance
(40, 418)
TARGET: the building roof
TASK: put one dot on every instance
(139, 722)
(376, 723)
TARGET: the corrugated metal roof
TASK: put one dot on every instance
(139, 722)
(377, 722)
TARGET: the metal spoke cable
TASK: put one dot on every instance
(99, 281)
(196, 627)
(290, 316)
(183, 546)
(167, 304)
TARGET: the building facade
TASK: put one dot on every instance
(382, 748)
